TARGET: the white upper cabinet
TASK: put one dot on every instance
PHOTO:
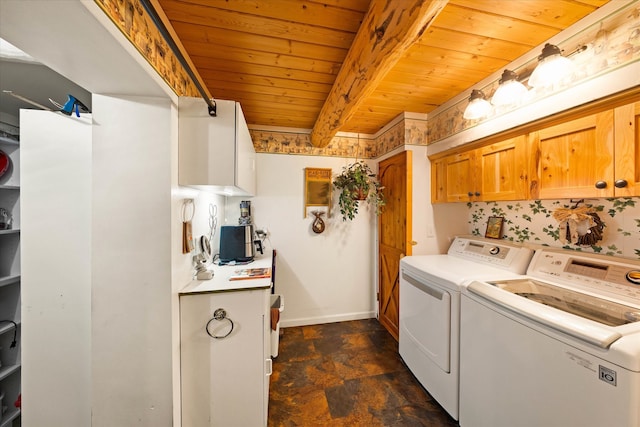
(216, 153)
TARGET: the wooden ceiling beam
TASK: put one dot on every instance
(389, 29)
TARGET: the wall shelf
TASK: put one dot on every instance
(8, 141)
(8, 417)
(6, 327)
(5, 371)
(11, 414)
(9, 280)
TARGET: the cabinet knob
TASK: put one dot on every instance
(601, 184)
(470, 194)
(477, 193)
(620, 183)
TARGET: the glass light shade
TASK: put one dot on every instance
(509, 93)
(552, 68)
(478, 106)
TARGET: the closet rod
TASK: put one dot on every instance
(174, 47)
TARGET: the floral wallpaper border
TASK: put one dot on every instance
(132, 19)
(406, 131)
(532, 221)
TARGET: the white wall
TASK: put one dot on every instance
(134, 314)
(56, 269)
(131, 262)
(182, 264)
(324, 277)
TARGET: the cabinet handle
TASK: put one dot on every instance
(219, 315)
(477, 193)
(269, 366)
(620, 183)
(470, 194)
(601, 184)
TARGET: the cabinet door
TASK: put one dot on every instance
(245, 155)
(438, 181)
(223, 379)
(459, 174)
(502, 170)
(627, 146)
(573, 157)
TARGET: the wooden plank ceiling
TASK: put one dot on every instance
(281, 58)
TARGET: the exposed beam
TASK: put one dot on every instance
(389, 29)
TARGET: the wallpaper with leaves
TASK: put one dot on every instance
(532, 221)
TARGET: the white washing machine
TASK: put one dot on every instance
(430, 307)
(559, 347)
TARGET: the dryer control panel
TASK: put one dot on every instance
(498, 253)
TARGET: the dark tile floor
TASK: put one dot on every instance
(347, 374)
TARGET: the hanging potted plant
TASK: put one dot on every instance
(358, 182)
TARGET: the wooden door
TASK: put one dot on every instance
(627, 146)
(394, 235)
(574, 157)
(502, 170)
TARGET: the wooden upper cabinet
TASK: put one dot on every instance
(459, 176)
(502, 170)
(452, 178)
(593, 156)
(627, 150)
(574, 159)
(493, 172)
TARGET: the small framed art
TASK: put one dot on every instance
(317, 188)
(494, 227)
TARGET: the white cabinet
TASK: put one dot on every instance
(225, 381)
(10, 324)
(216, 153)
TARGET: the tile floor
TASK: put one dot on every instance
(347, 374)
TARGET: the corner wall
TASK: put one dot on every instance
(131, 262)
(324, 277)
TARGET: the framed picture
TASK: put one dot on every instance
(494, 227)
(317, 188)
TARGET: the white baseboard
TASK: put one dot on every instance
(304, 321)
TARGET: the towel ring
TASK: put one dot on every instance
(220, 315)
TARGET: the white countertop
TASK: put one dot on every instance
(222, 273)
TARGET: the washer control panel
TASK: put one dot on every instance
(599, 274)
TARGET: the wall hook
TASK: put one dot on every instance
(577, 202)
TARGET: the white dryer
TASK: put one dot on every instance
(429, 337)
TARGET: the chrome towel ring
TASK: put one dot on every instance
(220, 314)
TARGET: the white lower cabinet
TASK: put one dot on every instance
(225, 381)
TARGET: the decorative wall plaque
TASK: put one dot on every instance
(317, 189)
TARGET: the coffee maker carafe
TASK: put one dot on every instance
(245, 213)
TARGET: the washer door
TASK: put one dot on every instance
(425, 311)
